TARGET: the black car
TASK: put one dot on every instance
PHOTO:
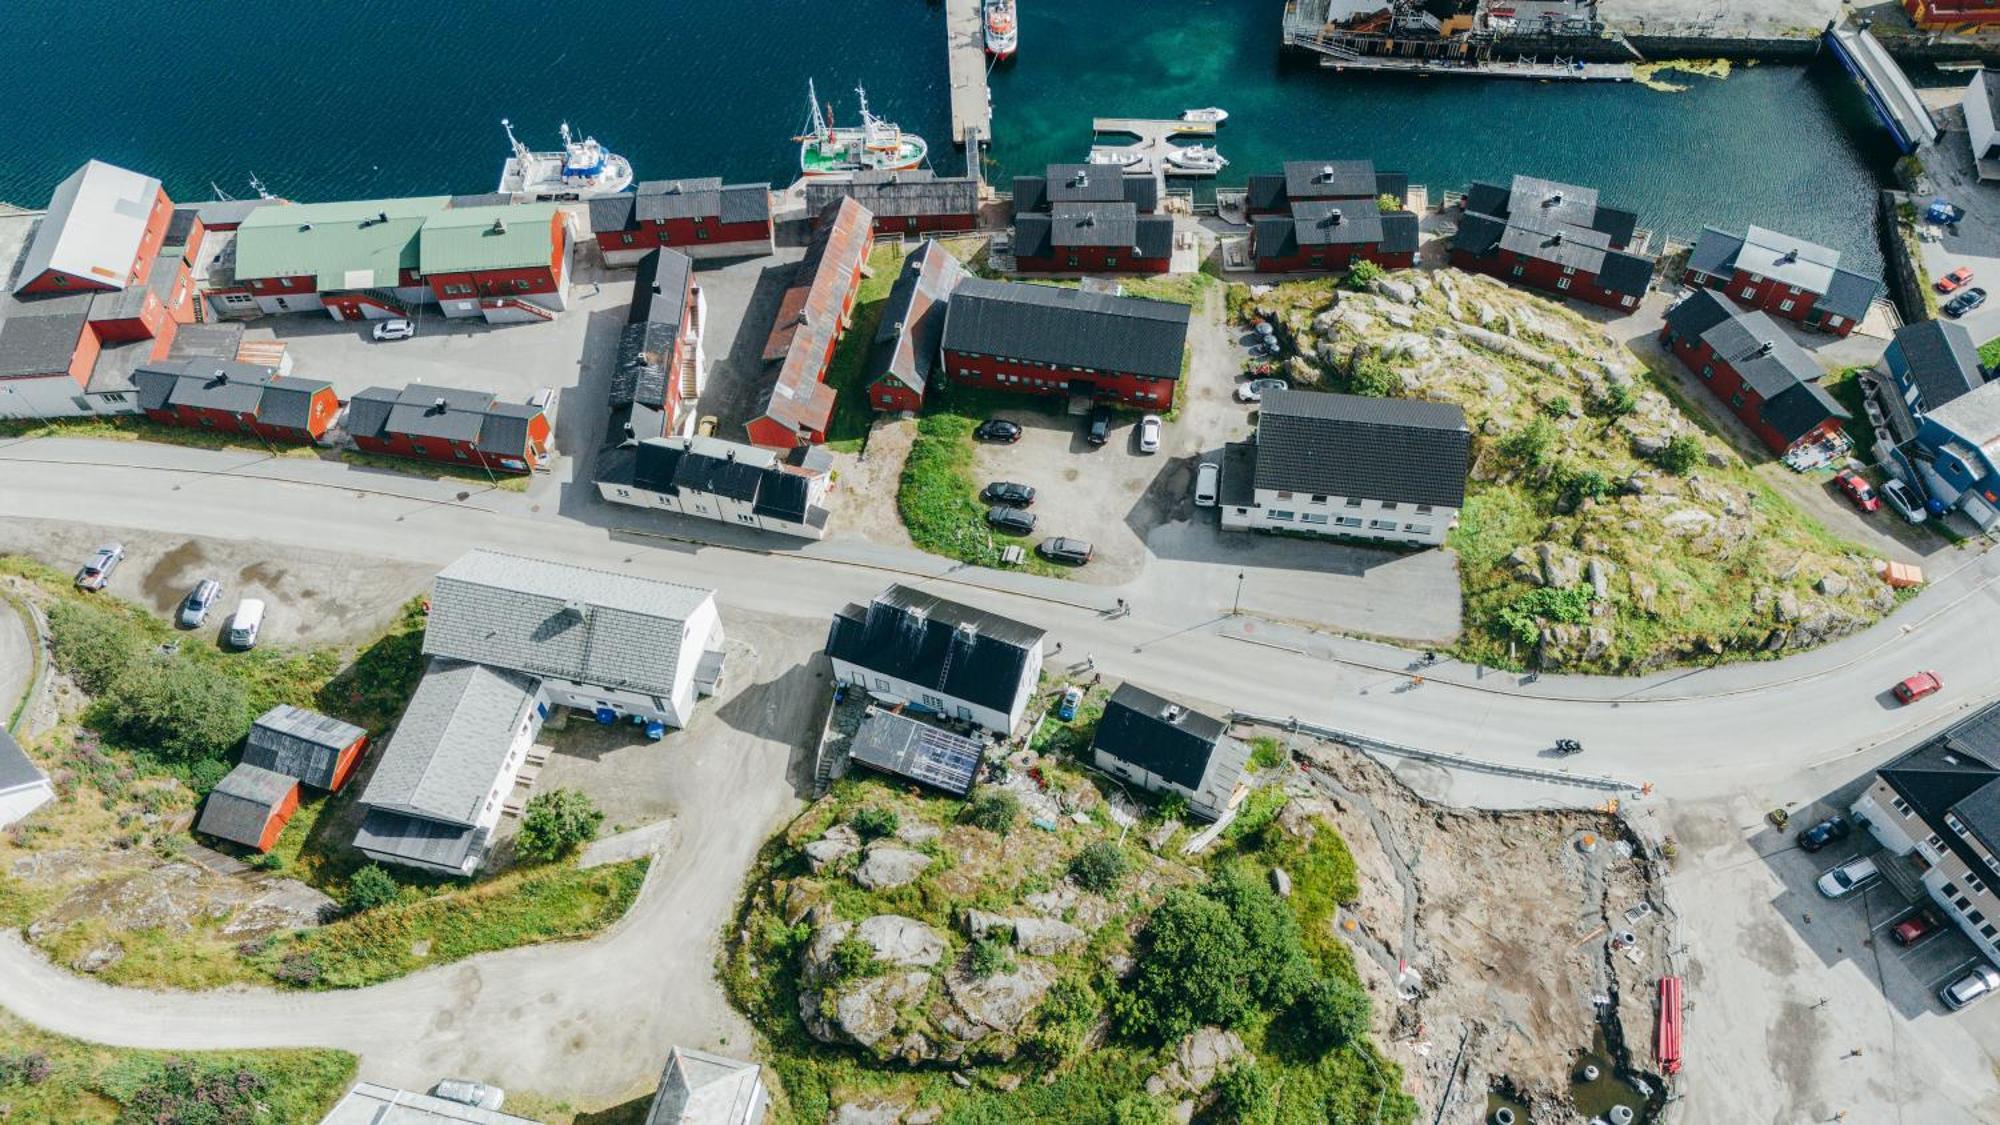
(1100, 426)
(1008, 492)
(1012, 520)
(1073, 551)
(1831, 830)
(998, 429)
(1965, 302)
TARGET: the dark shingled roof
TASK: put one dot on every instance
(207, 383)
(679, 199)
(1034, 236)
(906, 338)
(38, 336)
(300, 743)
(1265, 193)
(242, 803)
(1085, 183)
(611, 213)
(1698, 312)
(753, 475)
(1562, 243)
(1767, 360)
(448, 413)
(1341, 179)
(955, 650)
(1850, 294)
(1813, 268)
(1335, 223)
(1405, 450)
(917, 191)
(1158, 735)
(1031, 193)
(1068, 327)
(1532, 199)
(1957, 773)
(368, 411)
(288, 401)
(1715, 252)
(418, 840)
(1942, 360)
(639, 380)
(1116, 225)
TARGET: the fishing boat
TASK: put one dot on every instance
(1195, 160)
(582, 170)
(1212, 115)
(876, 146)
(1002, 32)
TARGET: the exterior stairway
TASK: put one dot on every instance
(382, 298)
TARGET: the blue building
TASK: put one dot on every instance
(1931, 362)
(1957, 453)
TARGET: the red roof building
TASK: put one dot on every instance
(230, 397)
(811, 317)
(249, 806)
(1052, 340)
(702, 218)
(1329, 237)
(1944, 14)
(1750, 364)
(445, 424)
(1554, 237)
(1090, 218)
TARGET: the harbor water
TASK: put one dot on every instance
(377, 98)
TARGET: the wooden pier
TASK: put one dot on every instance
(1559, 70)
(1153, 142)
(971, 102)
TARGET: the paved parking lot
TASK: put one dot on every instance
(1976, 242)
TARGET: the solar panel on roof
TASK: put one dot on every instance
(900, 745)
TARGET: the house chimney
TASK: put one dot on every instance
(1326, 173)
(1171, 713)
(437, 405)
(573, 608)
(499, 226)
(381, 216)
(1555, 199)
(1081, 179)
(1556, 239)
(1334, 217)
(1089, 219)
(1763, 349)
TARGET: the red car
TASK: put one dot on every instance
(1916, 687)
(1916, 926)
(1858, 490)
(1955, 280)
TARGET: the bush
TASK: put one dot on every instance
(92, 644)
(178, 708)
(991, 955)
(556, 823)
(1521, 619)
(1681, 454)
(1529, 445)
(1361, 275)
(853, 957)
(875, 823)
(1192, 971)
(299, 968)
(270, 861)
(207, 774)
(1617, 401)
(1138, 1109)
(1099, 867)
(1387, 203)
(25, 1068)
(1244, 1096)
(995, 810)
(1064, 1018)
(1171, 807)
(1279, 970)
(1266, 753)
(187, 1092)
(1557, 407)
(1579, 484)
(1373, 378)
(370, 887)
(1333, 1013)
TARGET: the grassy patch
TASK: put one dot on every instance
(436, 470)
(1989, 353)
(67, 1080)
(1180, 288)
(1845, 387)
(938, 497)
(133, 427)
(851, 412)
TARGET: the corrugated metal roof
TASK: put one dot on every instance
(95, 224)
(241, 804)
(906, 338)
(370, 1104)
(361, 244)
(896, 194)
(17, 771)
(451, 741)
(463, 239)
(1066, 326)
(300, 743)
(808, 320)
(698, 1088)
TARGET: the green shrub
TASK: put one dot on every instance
(1279, 970)
(92, 644)
(1064, 1019)
(991, 955)
(1333, 1013)
(995, 810)
(1266, 753)
(1173, 806)
(556, 823)
(179, 708)
(1099, 867)
(853, 958)
(207, 774)
(1557, 407)
(1681, 454)
(1139, 1109)
(1581, 483)
(1361, 275)
(1617, 401)
(186, 1092)
(1373, 378)
(1530, 444)
(370, 887)
(875, 823)
(1521, 619)
(1244, 1095)
(1387, 203)
(1192, 971)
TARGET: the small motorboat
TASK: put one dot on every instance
(1212, 115)
(1197, 159)
(1113, 156)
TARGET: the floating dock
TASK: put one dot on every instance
(1555, 70)
(1894, 100)
(1153, 144)
(971, 101)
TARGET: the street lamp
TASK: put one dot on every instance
(1237, 608)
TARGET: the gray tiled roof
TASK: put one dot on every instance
(1066, 326)
(299, 743)
(1100, 224)
(505, 430)
(553, 619)
(241, 804)
(368, 411)
(288, 401)
(1337, 222)
(1085, 183)
(906, 338)
(1975, 417)
(451, 741)
(698, 1088)
(1404, 450)
(1698, 312)
(451, 413)
(1941, 359)
(897, 194)
(1849, 294)
(417, 840)
(1031, 193)
(1762, 352)
(1715, 252)
(611, 213)
(745, 203)
(1264, 193)
(678, 199)
(203, 384)
(1791, 261)
(1331, 179)
(39, 336)
(16, 770)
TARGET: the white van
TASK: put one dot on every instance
(1207, 481)
(244, 623)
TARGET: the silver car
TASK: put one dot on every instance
(1972, 986)
(467, 1092)
(201, 599)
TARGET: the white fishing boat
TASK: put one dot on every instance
(582, 170)
(1212, 115)
(1195, 160)
(1003, 33)
(826, 149)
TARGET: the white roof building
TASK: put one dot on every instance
(94, 229)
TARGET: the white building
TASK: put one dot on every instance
(369, 1103)
(23, 787)
(698, 1088)
(1982, 122)
(725, 481)
(1384, 469)
(1166, 747)
(908, 647)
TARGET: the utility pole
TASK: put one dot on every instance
(1237, 609)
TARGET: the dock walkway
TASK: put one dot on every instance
(971, 103)
(1153, 142)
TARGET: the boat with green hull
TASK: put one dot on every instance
(876, 145)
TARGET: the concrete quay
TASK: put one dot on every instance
(971, 101)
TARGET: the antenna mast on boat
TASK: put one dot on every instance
(812, 100)
(521, 152)
(223, 195)
(257, 186)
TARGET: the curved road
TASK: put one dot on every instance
(1695, 734)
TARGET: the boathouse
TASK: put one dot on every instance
(1330, 236)
(449, 425)
(1555, 237)
(1322, 181)
(702, 218)
(1048, 340)
(1748, 362)
(811, 317)
(507, 263)
(1090, 218)
(904, 356)
(1784, 276)
(225, 396)
(909, 203)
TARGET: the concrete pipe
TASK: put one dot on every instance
(1621, 1115)
(1590, 1073)
(1503, 1116)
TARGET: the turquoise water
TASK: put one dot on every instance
(372, 97)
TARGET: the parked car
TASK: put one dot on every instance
(1830, 830)
(1255, 389)
(1915, 928)
(1974, 985)
(1955, 280)
(467, 1092)
(97, 572)
(1100, 426)
(1854, 873)
(1904, 501)
(1149, 434)
(1965, 302)
(998, 429)
(1015, 520)
(1072, 698)
(1059, 549)
(201, 599)
(245, 623)
(1008, 492)
(1916, 687)
(397, 329)
(1858, 490)
(1207, 483)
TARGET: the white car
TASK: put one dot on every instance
(1255, 389)
(1149, 434)
(1904, 501)
(467, 1092)
(397, 329)
(1854, 873)
(1207, 481)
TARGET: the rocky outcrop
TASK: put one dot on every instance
(979, 1007)
(1198, 1059)
(837, 844)
(886, 866)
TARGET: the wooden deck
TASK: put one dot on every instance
(971, 103)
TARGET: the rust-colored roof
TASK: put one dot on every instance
(809, 317)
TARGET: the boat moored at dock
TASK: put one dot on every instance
(583, 169)
(1212, 115)
(1003, 31)
(876, 146)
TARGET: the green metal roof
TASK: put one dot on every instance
(509, 236)
(360, 244)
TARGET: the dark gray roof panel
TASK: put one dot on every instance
(610, 213)
(417, 840)
(1085, 183)
(16, 769)
(1404, 450)
(1158, 735)
(1941, 358)
(300, 743)
(1331, 179)
(1849, 294)
(1698, 312)
(1715, 252)
(678, 199)
(242, 803)
(1067, 326)
(920, 638)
